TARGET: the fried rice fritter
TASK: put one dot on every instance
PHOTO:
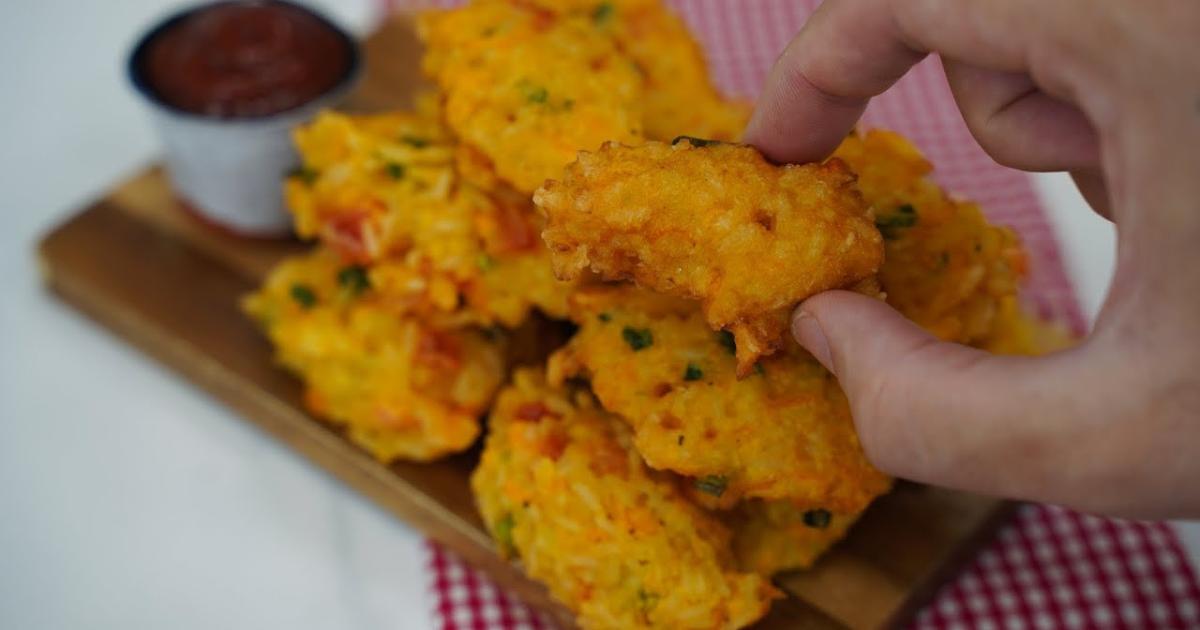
(715, 223)
(775, 536)
(782, 433)
(401, 388)
(946, 268)
(1015, 331)
(561, 488)
(680, 98)
(528, 87)
(386, 191)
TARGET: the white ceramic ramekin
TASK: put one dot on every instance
(230, 170)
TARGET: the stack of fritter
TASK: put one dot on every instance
(679, 449)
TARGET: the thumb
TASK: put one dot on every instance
(944, 413)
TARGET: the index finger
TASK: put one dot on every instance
(850, 51)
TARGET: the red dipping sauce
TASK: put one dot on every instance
(244, 59)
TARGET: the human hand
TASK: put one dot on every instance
(1106, 89)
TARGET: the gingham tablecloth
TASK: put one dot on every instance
(1050, 567)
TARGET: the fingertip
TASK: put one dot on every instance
(809, 334)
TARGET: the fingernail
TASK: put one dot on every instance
(808, 333)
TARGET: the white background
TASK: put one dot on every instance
(128, 498)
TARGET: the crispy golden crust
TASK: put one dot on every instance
(714, 223)
(774, 536)
(784, 432)
(528, 87)
(402, 389)
(560, 487)
(389, 192)
(946, 267)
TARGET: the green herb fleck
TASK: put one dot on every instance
(536, 94)
(692, 372)
(485, 262)
(712, 484)
(725, 338)
(818, 518)
(604, 317)
(647, 600)
(503, 531)
(696, 142)
(638, 338)
(603, 12)
(394, 170)
(304, 296)
(890, 225)
(304, 174)
(759, 369)
(354, 279)
(415, 142)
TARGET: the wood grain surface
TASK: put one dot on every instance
(169, 285)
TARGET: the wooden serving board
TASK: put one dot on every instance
(137, 264)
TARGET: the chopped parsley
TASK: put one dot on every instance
(890, 225)
(647, 600)
(604, 317)
(304, 174)
(818, 518)
(537, 95)
(725, 338)
(759, 369)
(485, 262)
(637, 338)
(415, 142)
(692, 372)
(504, 534)
(354, 279)
(304, 296)
(713, 484)
(603, 12)
(395, 170)
(696, 142)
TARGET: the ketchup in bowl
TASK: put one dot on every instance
(226, 83)
(243, 59)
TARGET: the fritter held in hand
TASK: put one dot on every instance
(561, 488)
(716, 223)
(402, 389)
(784, 432)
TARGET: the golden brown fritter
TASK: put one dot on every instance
(680, 98)
(784, 432)
(389, 193)
(401, 388)
(528, 87)
(1015, 331)
(714, 223)
(561, 488)
(774, 536)
(946, 268)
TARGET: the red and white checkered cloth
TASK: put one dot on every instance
(1050, 567)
